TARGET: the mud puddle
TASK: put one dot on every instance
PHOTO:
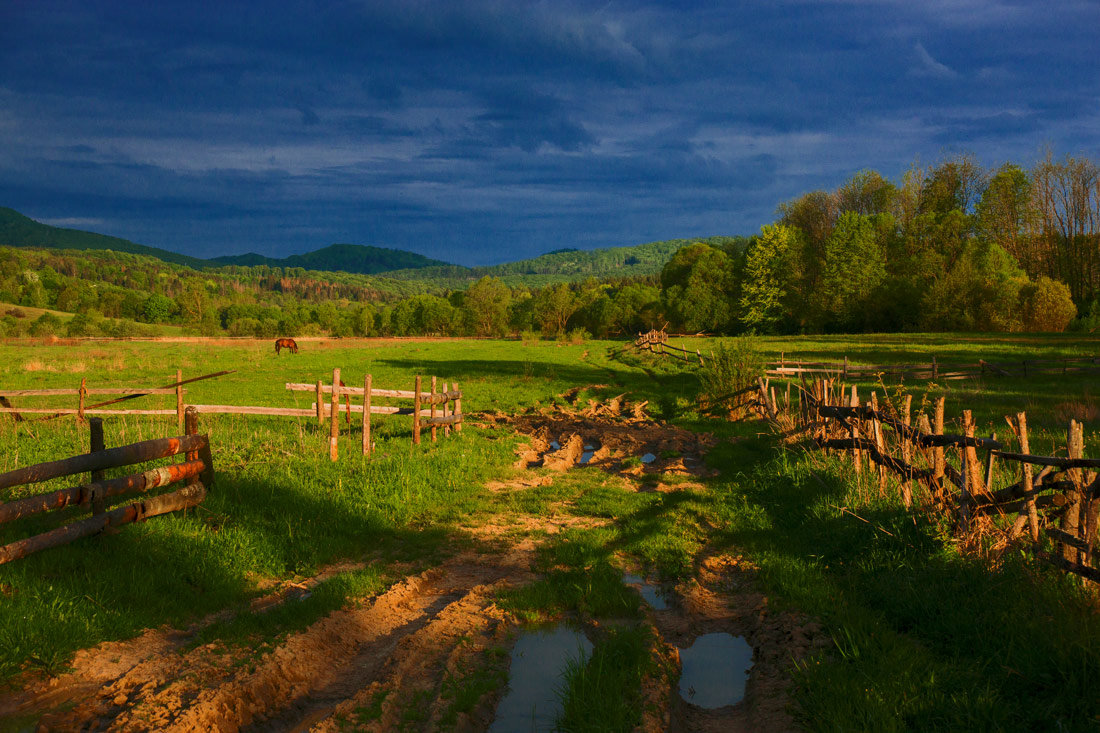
(714, 670)
(652, 593)
(540, 659)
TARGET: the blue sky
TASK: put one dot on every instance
(487, 131)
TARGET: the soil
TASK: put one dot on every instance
(395, 661)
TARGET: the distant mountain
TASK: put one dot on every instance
(17, 230)
(565, 265)
(357, 258)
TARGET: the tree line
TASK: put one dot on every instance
(951, 247)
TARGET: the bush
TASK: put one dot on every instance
(1047, 305)
(734, 365)
(577, 336)
(46, 325)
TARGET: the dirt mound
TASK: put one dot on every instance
(615, 436)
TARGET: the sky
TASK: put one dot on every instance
(488, 131)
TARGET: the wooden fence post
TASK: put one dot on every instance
(939, 465)
(1029, 512)
(446, 428)
(334, 417)
(83, 393)
(433, 410)
(857, 455)
(907, 450)
(416, 411)
(457, 409)
(96, 444)
(320, 403)
(366, 415)
(1075, 445)
(880, 444)
(179, 398)
(935, 368)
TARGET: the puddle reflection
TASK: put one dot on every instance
(539, 659)
(714, 670)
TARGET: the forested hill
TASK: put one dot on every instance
(17, 230)
(565, 265)
(357, 258)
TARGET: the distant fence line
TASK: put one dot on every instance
(933, 370)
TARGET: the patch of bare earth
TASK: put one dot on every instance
(722, 598)
(398, 647)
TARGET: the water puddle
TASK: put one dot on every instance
(651, 592)
(539, 659)
(714, 670)
(586, 456)
(649, 458)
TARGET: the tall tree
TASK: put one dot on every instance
(766, 283)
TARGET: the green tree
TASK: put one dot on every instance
(486, 306)
(767, 283)
(698, 285)
(853, 269)
(1047, 305)
(552, 308)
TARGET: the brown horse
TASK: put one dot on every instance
(286, 343)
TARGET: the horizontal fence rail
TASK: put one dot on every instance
(196, 471)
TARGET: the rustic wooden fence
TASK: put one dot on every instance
(196, 471)
(934, 370)
(656, 342)
(1058, 507)
(444, 403)
(439, 407)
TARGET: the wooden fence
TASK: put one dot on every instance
(196, 472)
(444, 406)
(440, 407)
(1058, 507)
(934, 370)
(656, 342)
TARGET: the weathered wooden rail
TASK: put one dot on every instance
(933, 370)
(196, 472)
(1059, 507)
(444, 403)
(656, 342)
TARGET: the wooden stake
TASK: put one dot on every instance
(83, 392)
(857, 454)
(334, 416)
(95, 425)
(907, 450)
(457, 411)
(939, 465)
(1075, 444)
(320, 403)
(433, 411)
(447, 428)
(366, 415)
(876, 427)
(416, 411)
(179, 398)
(1028, 513)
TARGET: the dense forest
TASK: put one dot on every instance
(952, 246)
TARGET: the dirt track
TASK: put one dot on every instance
(393, 662)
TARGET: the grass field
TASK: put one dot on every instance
(923, 638)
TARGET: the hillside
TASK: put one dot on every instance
(356, 258)
(17, 230)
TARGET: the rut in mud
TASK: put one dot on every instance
(409, 657)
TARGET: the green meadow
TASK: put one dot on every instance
(924, 638)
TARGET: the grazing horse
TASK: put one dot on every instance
(285, 343)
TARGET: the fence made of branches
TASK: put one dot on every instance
(1050, 502)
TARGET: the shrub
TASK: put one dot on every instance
(731, 367)
(1047, 305)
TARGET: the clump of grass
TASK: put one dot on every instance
(734, 365)
(605, 693)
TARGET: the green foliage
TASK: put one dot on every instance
(698, 284)
(733, 365)
(853, 270)
(769, 268)
(1047, 305)
(487, 302)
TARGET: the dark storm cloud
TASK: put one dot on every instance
(489, 130)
